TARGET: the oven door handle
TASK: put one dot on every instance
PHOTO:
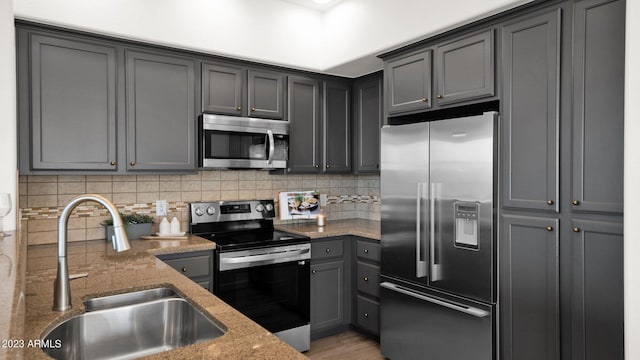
(262, 257)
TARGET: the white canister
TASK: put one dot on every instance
(165, 227)
(175, 226)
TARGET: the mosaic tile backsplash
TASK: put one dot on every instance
(42, 198)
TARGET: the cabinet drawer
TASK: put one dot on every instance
(368, 250)
(192, 266)
(205, 284)
(368, 279)
(368, 316)
(326, 249)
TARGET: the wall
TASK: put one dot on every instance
(8, 138)
(270, 31)
(631, 181)
(43, 197)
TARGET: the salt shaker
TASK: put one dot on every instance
(175, 226)
(165, 227)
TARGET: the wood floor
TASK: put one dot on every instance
(348, 345)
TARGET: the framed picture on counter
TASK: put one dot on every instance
(299, 205)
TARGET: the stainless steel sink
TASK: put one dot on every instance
(128, 326)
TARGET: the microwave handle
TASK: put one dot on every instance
(272, 146)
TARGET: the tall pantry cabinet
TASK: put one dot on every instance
(561, 241)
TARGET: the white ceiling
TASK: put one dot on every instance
(342, 39)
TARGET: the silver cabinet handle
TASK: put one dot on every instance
(458, 307)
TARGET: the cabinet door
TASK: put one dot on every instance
(367, 124)
(73, 105)
(598, 290)
(266, 95)
(160, 112)
(598, 111)
(222, 89)
(327, 295)
(529, 293)
(304, 130)
(408, 82)
(337, 127)
(465, 69)
(530, 61)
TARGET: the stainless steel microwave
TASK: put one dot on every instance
(242, 143)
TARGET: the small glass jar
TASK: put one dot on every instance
(321, 218)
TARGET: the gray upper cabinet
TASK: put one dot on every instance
(337, 127)
(530, 66)
(598, 104)
(222, 89)
(72, 104)
(234, 90)
(367, 123)
(160, 112)
(408, 82)
(266, 94)
(305, 124)
(529, 295)
(465, 69)
(598, 290)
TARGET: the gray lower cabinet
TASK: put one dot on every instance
(303, 103)
(367, 121)
(530, 116)
(598, 104)
(598, 290)
(160, 112)
(465, 69)
(68, 86)
(530, 293)
(366, 312)
(330, 285)
(223, 89)
(407, 81)
(197, 266)
(337, 127)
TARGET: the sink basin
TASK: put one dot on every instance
(132, 325)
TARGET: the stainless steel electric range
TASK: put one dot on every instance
(260, 271)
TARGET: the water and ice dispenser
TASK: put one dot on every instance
(466, 230)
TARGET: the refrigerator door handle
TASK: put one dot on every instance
(434, 268)
(458, 307)
(421, 264)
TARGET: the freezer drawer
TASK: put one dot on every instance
(416, 325)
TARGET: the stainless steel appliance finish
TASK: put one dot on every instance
(130, 326)
(438, 238)
(262, 272)
(241, 142)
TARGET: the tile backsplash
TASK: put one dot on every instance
(42, 198)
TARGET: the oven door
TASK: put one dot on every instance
(230, 142)
(270, 286)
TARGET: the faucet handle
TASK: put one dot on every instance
(78, 276)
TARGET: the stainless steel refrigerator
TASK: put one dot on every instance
(438, 283)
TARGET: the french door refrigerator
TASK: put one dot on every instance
(438, 271)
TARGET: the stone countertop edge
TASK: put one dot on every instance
(358, 227)
(113, 273)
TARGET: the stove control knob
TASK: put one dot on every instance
(259, 208)
(269, 207)
(199, 211)
(211, 210)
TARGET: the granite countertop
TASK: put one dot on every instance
(137, 269)
(358, 227)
